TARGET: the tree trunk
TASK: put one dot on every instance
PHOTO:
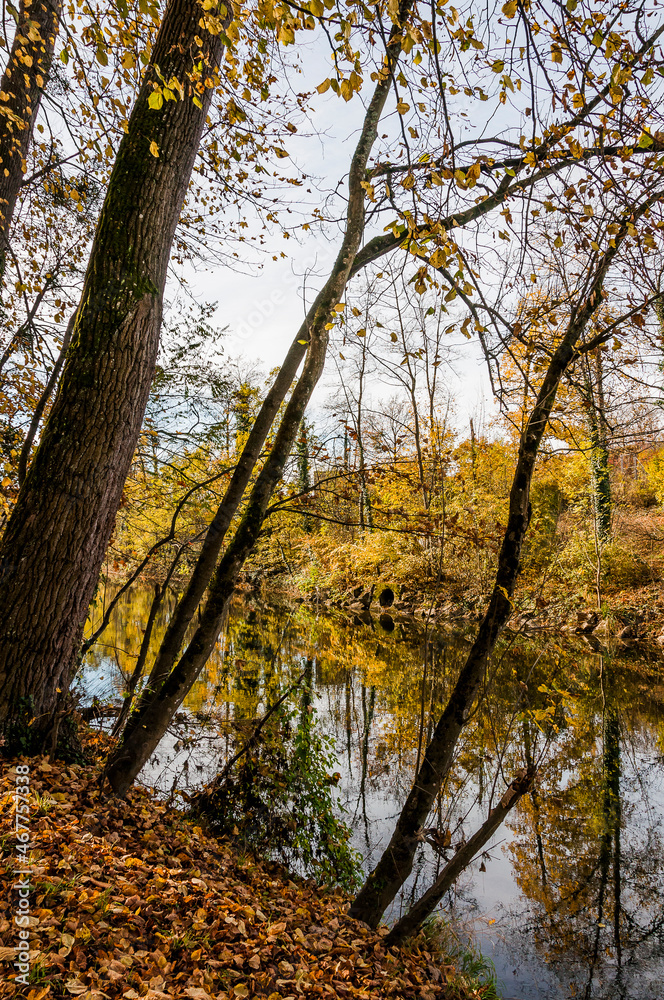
(214, 538)
(166, 693)
(54, 544)
(599, 456)
(396, 862)
(418, 913)
(42, 403)
(149, 723)
(23, 83)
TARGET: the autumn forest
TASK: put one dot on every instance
(332, 498)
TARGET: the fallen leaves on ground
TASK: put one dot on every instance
(129, 900)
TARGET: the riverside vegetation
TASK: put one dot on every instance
(498, 203)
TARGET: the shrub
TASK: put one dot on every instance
(277, 800)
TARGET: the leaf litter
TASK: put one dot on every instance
(128, 899)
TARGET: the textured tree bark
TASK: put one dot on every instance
(396, 863)
(23, 83)
(53, 547)
(148, 724)
(450, 873)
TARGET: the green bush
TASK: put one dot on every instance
(277, 801)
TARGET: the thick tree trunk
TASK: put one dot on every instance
(22, 86)
(147, 726)
(396, 862)
(54, 544)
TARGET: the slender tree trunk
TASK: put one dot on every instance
(410, 922)
(396, 862)
(599, 460)
(137, 672)
(150, 722)
(214, 538)
(160, 591)
(54, 544)
(364, 507)
(21, 89)
(42, 403)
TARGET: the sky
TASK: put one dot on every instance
(264, 306)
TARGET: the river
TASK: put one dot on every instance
(568, 900)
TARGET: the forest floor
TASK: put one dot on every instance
(128, 899)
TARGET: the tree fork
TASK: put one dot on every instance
(418, 913)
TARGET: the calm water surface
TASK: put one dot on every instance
(570, 901)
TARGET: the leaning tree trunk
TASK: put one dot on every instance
(396, 863)
(21, 88)
(599, 454)
(426, 904)
(166, 692)
(54, 544)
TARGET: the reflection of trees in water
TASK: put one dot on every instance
(590, 857)
(588, 850)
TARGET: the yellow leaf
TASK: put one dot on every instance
(154, 148)
(155, 100)
(509, 8)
